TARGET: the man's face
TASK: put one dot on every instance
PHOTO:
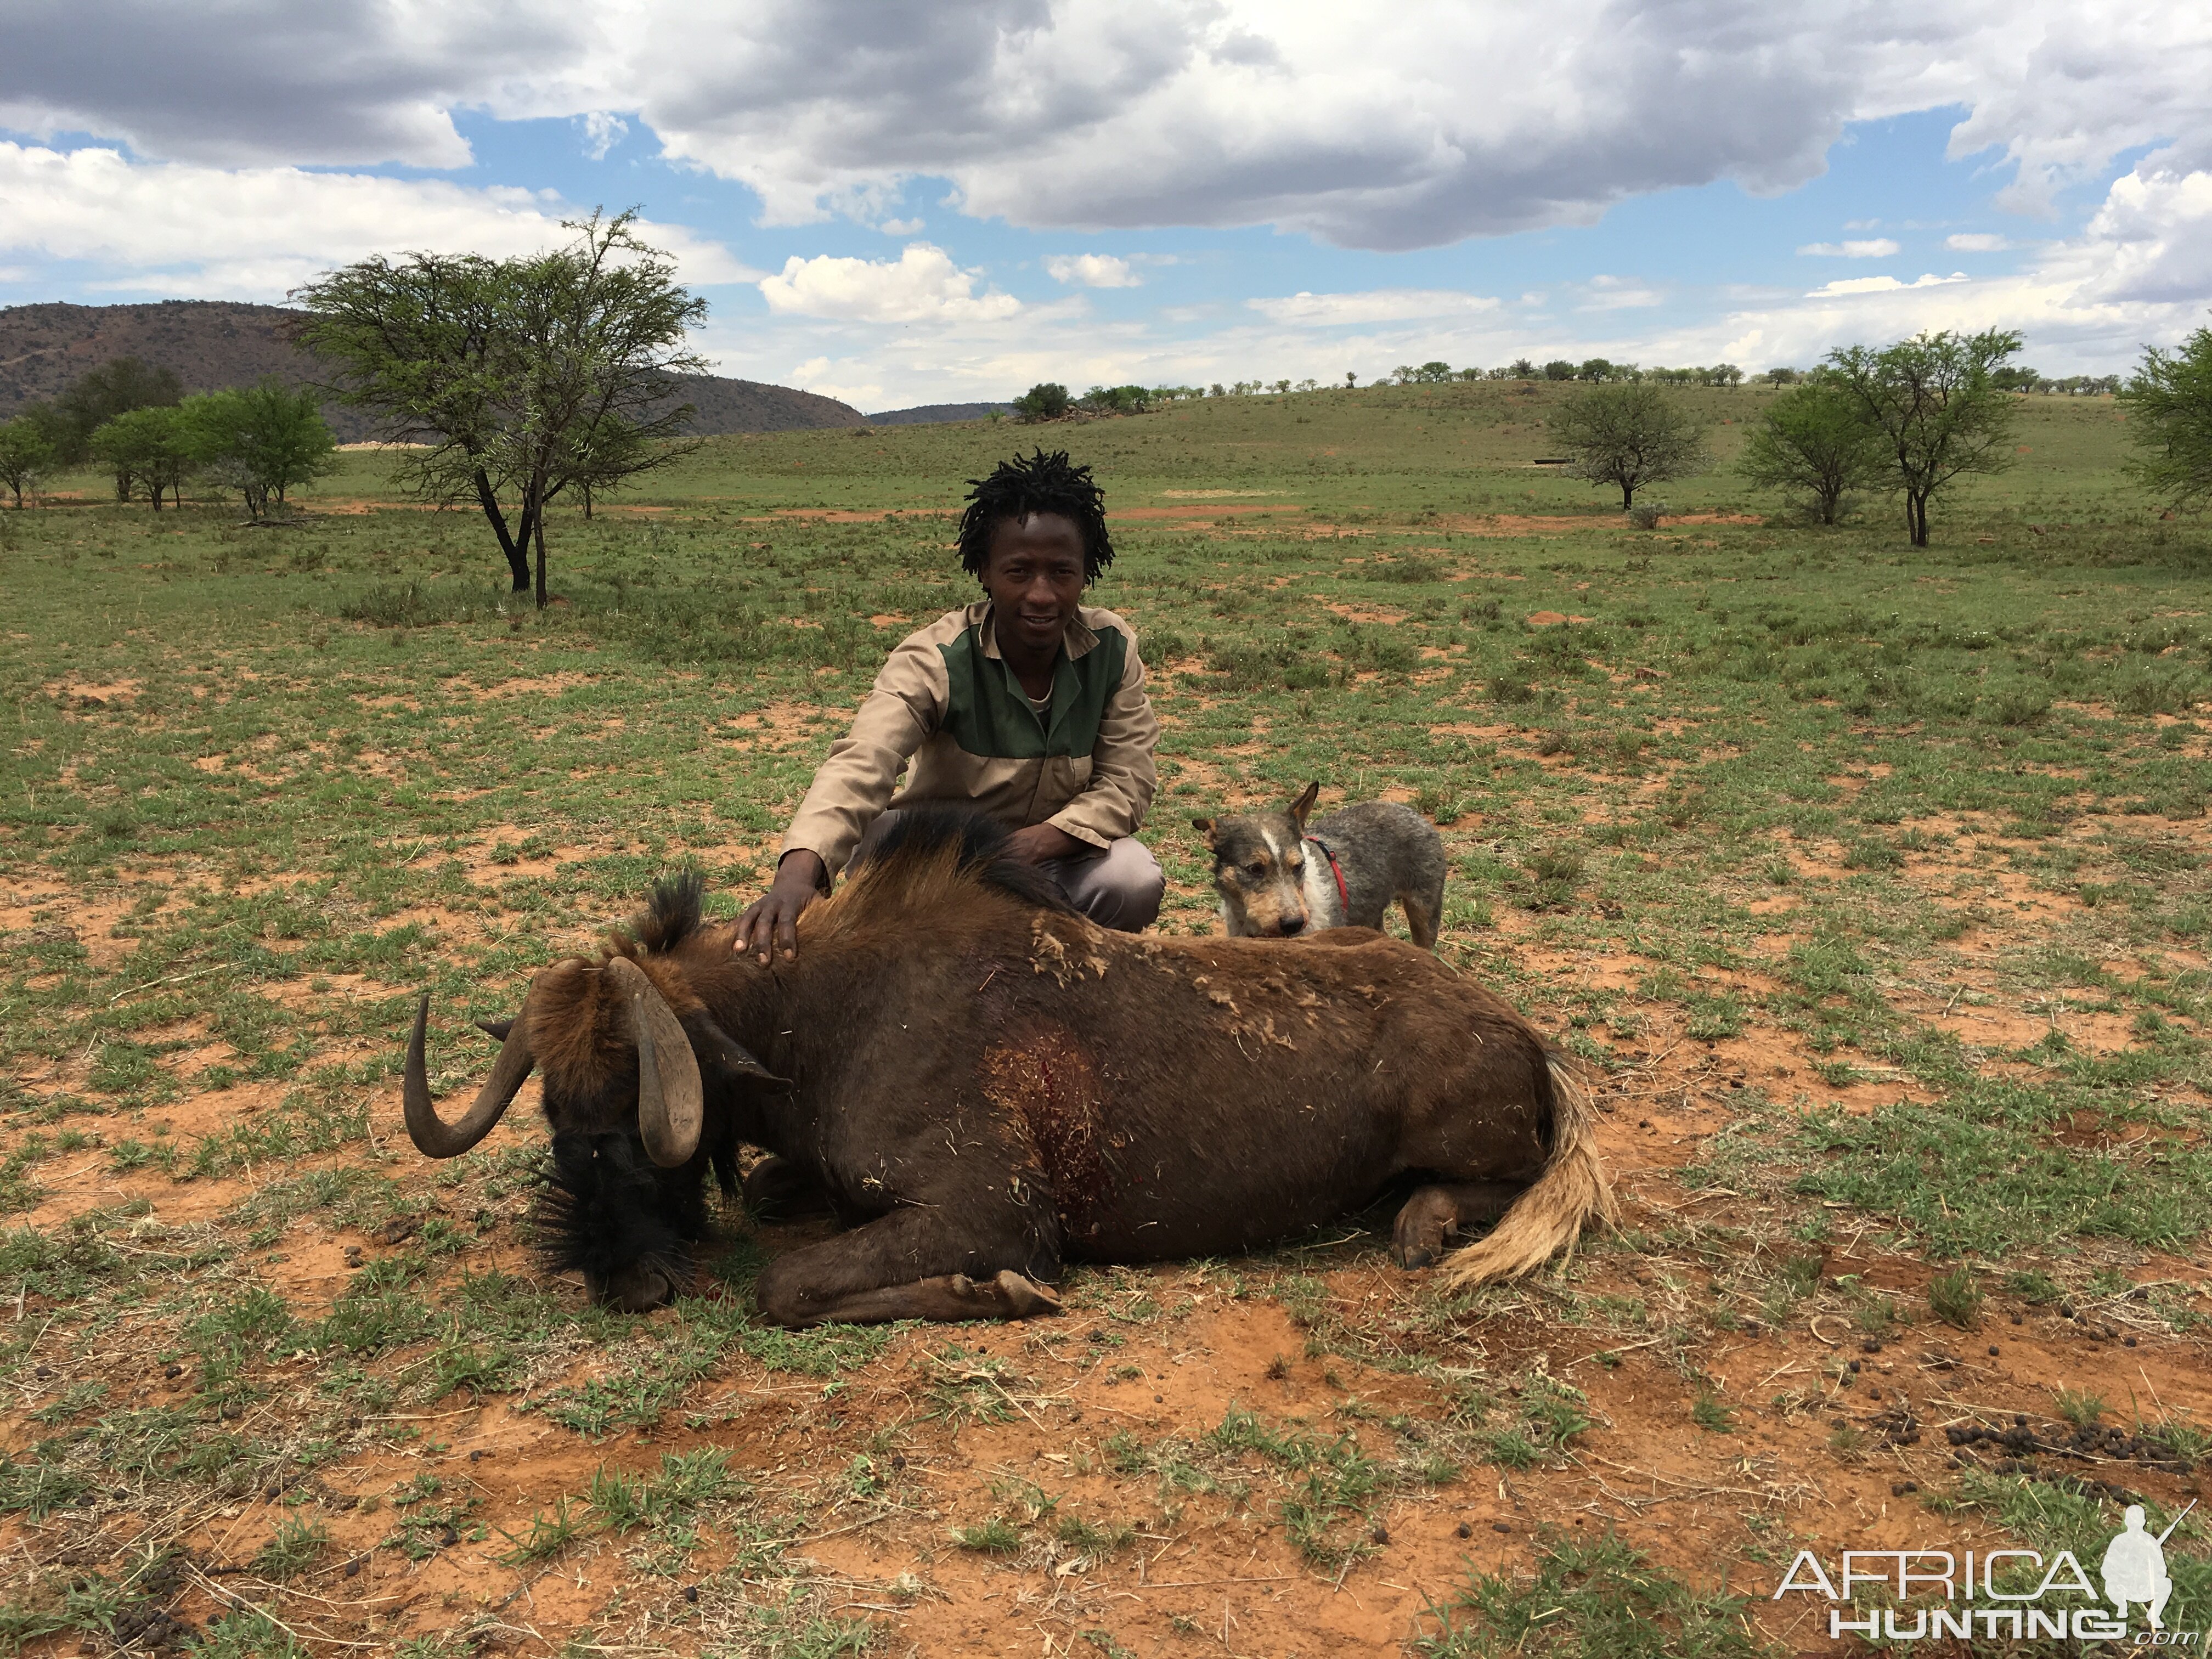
(1034, 577)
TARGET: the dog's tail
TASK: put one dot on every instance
(1573, 1191)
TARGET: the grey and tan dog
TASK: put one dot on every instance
(1279, 877)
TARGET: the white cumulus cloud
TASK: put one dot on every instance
(1385, 304)
(922, 285)
(602, 132)
(1619, 294)
(1090, 271)
(1876, 247)
(252, 233)
(1880, 284)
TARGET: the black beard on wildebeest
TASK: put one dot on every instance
(985, 1085)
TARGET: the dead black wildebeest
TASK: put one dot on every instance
(986, 1086)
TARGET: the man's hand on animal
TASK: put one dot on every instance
(771, 919)
(1041, 841)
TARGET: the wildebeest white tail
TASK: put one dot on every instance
(1572, 1192)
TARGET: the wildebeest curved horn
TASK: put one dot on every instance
(671, 1101)
(433, 1136)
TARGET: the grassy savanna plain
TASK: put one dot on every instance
(1868, 882)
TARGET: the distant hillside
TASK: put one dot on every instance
(929, 414)
(213, 343)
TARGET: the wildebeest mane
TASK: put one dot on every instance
(919, 838)
(673, 912)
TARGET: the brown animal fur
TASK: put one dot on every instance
(985, 1088)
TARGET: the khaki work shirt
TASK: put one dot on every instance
(947, 712)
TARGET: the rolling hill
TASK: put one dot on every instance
(213, 343)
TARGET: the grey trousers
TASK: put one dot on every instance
(1120, 888)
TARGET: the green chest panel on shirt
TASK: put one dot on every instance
(988, 714)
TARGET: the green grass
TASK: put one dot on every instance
(1600, 1599)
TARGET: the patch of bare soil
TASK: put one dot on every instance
(1363, 613)
(775, 726)
(525, 685)
(93, 693)
(1210, 511)
(842, 515)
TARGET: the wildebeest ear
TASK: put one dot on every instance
(1304, 803)
(496, 1030)
(1205, 827)
(725, 1055)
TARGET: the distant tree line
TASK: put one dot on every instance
(1915, 416)
(134, 422)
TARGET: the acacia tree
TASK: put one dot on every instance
(1047, 400)
(1628, 436)
(1812, 439)
(1939, 409)
(25, 453)
(520, 377)
(2171, 421)
(151, 449)
(260, 440)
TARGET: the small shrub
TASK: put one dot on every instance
(547, 1537)
(2083, 1411)
(1645, 515)
(296, 1546)
(996, 1536)
(1956, 1298)
(2017, 705)
(1709, 1414)
(1871, 854)
(1712, 1017)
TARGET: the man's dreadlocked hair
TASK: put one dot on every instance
(1043, 484)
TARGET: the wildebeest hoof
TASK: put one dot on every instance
(638, 1288)
(1024, 1297)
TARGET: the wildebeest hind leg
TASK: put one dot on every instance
(911, 1264)
(1434, 1213)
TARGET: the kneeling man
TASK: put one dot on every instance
(1027, 704)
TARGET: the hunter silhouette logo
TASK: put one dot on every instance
(2134, 1566)
(1985, 1593)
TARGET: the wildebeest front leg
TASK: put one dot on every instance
(950, 1296)
(777, 1189)
(1434, 1213)
(913, 1263)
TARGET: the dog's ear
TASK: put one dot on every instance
(1304, 804)
(1205, 827)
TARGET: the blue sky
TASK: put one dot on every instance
(899, 207)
